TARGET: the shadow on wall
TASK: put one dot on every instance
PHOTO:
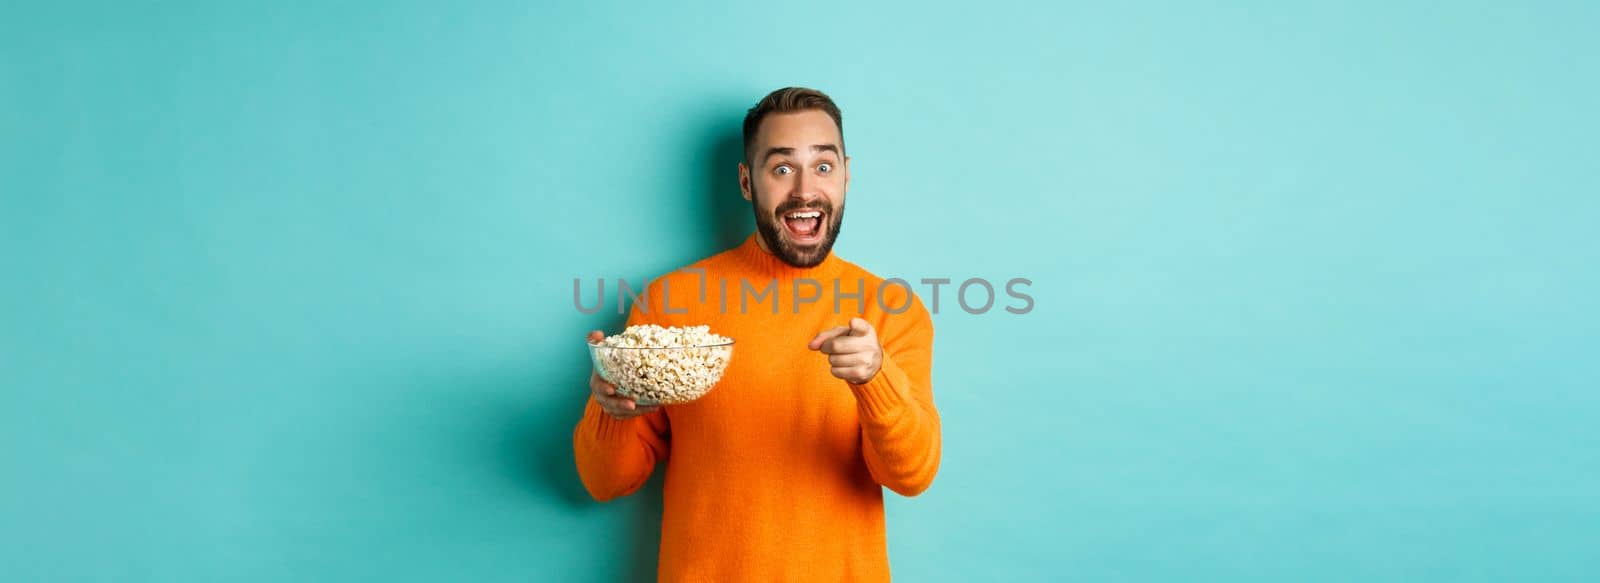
(565, 392)
(727, 213)
(713, 195)
(555, 471)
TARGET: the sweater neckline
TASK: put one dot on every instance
(767, 264)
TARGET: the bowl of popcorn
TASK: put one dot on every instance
(656, 365)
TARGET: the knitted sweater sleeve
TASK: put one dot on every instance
(616, 456)
(899, 424)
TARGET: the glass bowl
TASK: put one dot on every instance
(662, 376)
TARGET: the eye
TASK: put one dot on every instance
(782, 170)
(825, 168)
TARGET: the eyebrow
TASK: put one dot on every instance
(788, 151)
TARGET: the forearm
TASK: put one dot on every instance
(613, 458)
(900, 430)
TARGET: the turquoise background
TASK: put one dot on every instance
(287, 287)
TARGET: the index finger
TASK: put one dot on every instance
(599, 386)
(826, 335)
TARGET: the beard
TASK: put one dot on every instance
(770, 231)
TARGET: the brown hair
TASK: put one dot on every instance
(788, 100)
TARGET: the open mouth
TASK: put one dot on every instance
(804, 226)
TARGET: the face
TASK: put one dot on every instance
(796, 184)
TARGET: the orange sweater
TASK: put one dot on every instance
(778, 473)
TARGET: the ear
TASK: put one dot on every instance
(744, 180)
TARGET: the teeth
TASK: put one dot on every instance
(805, 215)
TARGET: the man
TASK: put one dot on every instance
(778, 473)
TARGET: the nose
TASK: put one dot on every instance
(805, 188)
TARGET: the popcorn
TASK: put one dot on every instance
(663, 365)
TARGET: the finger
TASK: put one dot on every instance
(860, 327)
(847, 345)
(606, 393)
(826, 335)
(623, 402)
(610, 408)
(595, 336)
(637, 411)
(621, 407)
(599, 386)
(851, 359)
(845, 372)
(609, 402)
